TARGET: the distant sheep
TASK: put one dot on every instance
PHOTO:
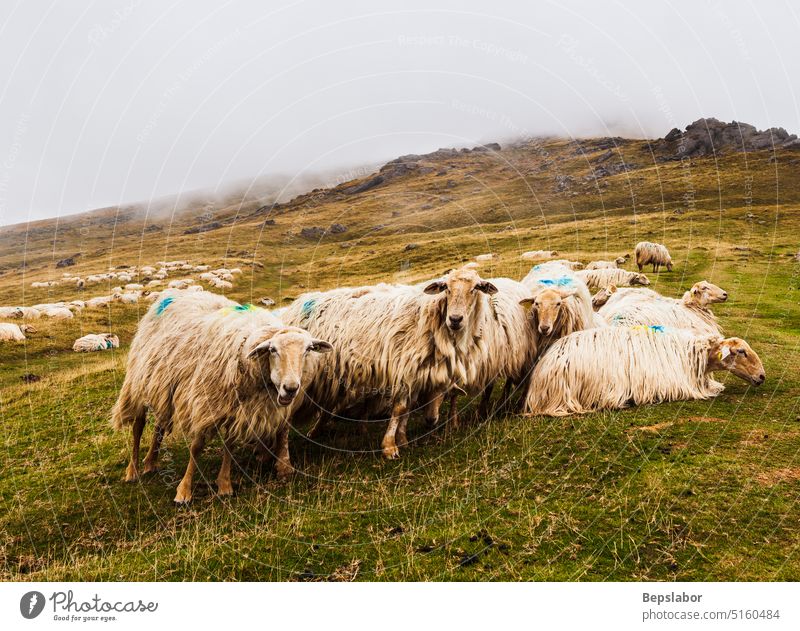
(572, 265)
(652, 253)
(613, 368)
(182, 283)
(599, 278)
(99, 302)
(606, 264)
(539, 255)
(40, 284)
(14, 332)
(487, 257)
(10, 312)
(133, 287)
(637, 306)
(58, 313)
(95, 342)
(204, 364)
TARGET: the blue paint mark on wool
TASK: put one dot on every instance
(163, 305)
(557, 282)
(308, 307)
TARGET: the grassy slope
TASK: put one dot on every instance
(691, 491)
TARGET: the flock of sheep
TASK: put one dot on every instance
(135, 284)
(203, 364)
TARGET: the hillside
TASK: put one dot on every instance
(701, 490)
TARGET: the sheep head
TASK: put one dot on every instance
(462, 289)
(735, 355)
(620, 260)
(546, 307)
(705, 293)
(602, 296)
(27, 329)
(288, 352)
(640, 279)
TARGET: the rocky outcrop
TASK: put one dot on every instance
(709, 136)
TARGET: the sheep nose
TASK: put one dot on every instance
(762, 378)
(455, 320)
(724, 295)
(545, 329)
(291, 389)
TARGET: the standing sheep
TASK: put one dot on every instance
(204, 364)
(612, 368)
(599, 278)
(652, 253)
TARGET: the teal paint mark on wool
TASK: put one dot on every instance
(308, 307)
(163, 305)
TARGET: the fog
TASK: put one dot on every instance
(115, 102)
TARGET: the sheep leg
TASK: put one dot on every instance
(224, 486)
(151, 459)
(184, 494)
(283, 464)
(320, 424)
(132, 472)
(453, 413)
(432, 410)
(640, 267)
(486, 399)
(401, 439)
(390, 450)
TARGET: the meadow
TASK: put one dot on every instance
(704, 490)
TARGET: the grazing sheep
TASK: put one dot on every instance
(652, 253)
(398, 344)
(14, 332)
(154, 283)
(599, 278)
(204, 364)
(95, 342)
(76, 306)
(202, 268)
(538, 255)
(218, 283)
(607, 264)
(613, 368)
(30, 313)
(602, 296)
(637, 306)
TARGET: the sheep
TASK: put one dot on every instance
(147, 270)
(154, 283)
(76, 306)
(202, 268)
(236, 271)
(612, 368)
(193, 288)
(655, 253)
(691, 311)
(133, 287)
(602, 296)
(538, 255)
(124, 277)
(227, 277)
(182, 283)
(99, 302)
(95, 342)
(29, 313)
(152, 296)
(222, 284)
(58, 313)
(40, 284)
(571, 265)
(204, 364)
(606, 264)
(487, 257)
(14, 332)
(399, 344)
(599, 278)
(207, 277)
(128, 298)
(10, 312)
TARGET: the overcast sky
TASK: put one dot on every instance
(119, 101)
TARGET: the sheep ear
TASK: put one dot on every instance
(724, 352)
(262, 349)
(320, 346)
(436, 287)
(486, 287)
(527, 303)
(611, 288)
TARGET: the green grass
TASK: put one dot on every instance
(683, 491)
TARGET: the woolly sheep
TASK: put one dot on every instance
(10, 312)
(128, 298)
(572, 265)
(612, 368)
(204, 364)
(95, 342)
(40, 284)
(602, 296)
(236, 271)
(182, 283)
(487, 257)
(599, 278)
(652, 253)
(606, 264)
(403, 343)
(537, 255)
(133, 287)
(58, 313)
(632, 307)
(99, 302)
(14, 332)
(222, 284)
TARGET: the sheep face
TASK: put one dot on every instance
(462, 289)
(640, 279)
(546, 307)
(705, 293)
(735, 355)
(602, 296)
(620, 260)
(27, 329)
(287, 352)
(669, 265)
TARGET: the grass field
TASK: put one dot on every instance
(684, 491)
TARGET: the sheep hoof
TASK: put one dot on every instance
(402, 440)
(224, 489)
(391, 453)
(283, 471)
(131, 474)
(150, 467)
(182, 497)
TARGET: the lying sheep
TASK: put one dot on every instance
(571, 265)
(204, 364)
(652, 253)
(99, 302)
(95, 342)
(397, 344)
(538, 255)
(487, 257)
(127, 298)
(637, 306)
(607, 264)
(599, 278)
(10, 312)
(10, 332)
(133, 287)
(602, 296)
(613, 368)
(182, 283)
(57, 313)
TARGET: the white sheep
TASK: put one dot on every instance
(613, 368)
(10, 332)
(652, 253)
(599, 278)
(99, 302)
(487, 257)
(182, 283)
(58, 313)
(133, 287)
(204, 364)
(95, 342)
(606, 264)
(643, 306)
(538, 255)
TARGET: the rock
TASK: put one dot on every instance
(674, 134)
(337, 228)
(30, 378)
(269, 222)
(69, 261)
(709, 136)
(153, 228)
(563, 182)
(395, 213)
(410, 246)
(315, 232)
(365, 186)
(204, 228)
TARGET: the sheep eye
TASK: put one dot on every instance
(742, 352)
